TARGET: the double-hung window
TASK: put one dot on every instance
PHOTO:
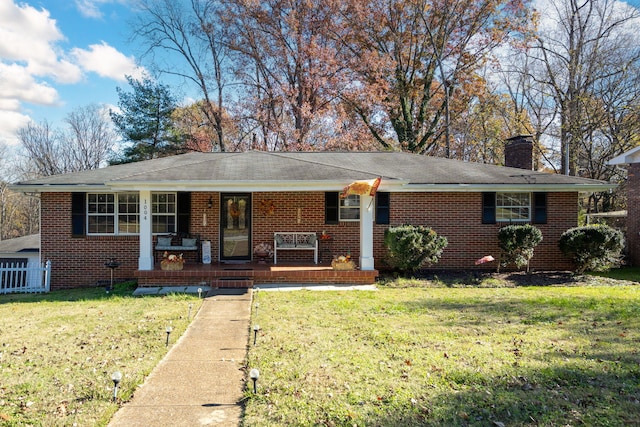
(128, 213)
(110, 213)
(513, 207)
(164, 210)
(350, 208)
(101, 213)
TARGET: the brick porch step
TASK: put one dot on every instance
(232, 282)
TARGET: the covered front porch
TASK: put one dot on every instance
(246, 275)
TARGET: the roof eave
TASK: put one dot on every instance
(509, 187)
(283, 186)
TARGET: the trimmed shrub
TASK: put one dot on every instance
(593, 247)
(409, 247)
(517, 243)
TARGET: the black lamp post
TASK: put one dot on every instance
(112, 264)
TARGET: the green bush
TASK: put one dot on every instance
(410, 247)
(517, 243)
(593, 247)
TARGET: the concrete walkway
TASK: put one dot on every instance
(199, 382)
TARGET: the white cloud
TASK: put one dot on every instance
(28, 37)
(33, 62)
(91, 8)
(10, 122)
(16, 85)
(106, 61)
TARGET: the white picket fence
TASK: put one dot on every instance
(28, 277)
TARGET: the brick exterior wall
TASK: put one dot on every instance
(633, 214)
(457, 216)
(79, 261)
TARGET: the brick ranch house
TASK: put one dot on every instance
(121, 211)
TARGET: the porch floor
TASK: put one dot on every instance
(246, 275)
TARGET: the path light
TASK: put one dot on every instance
(254, 374)
(257, 307)
(256, 328)
(116, 377)
(169, 329)
(199, 293)
(190, 307)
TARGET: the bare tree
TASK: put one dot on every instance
(90, 137)
(581, 47)
(194, 39)
(19, 213)
(84, 145)
(42, 145)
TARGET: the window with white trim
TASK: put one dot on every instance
(350, 208)
(128, 213)
(163, 210)
(101, 212)
(513, 207)
(110, 213)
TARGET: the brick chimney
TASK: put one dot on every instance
(518, 152)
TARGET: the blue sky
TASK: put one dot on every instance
(58, 55)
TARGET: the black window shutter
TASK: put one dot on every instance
(488, 208)
(383, 204)
(78, 214)
(539, 208)
(331, 206)
(184, 212)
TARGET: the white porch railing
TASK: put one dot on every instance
(30, 277)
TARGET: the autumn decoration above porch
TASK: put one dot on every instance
(267, 207)
(361, 188)
(171, 262)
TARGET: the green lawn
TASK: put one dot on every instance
(447, 354)
(58, 351)
(535, 356)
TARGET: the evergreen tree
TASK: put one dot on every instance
(145, 121)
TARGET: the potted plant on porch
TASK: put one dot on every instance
(262, 252)
(171, 262)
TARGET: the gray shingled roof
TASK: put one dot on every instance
(305, 167)
(20, 244)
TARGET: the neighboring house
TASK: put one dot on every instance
(236, 201)
(631, 160)
(20, 264)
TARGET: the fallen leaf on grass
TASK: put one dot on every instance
(4, 416)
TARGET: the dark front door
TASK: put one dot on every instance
(235, 226)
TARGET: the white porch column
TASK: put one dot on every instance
(145, 260)
(366, 232)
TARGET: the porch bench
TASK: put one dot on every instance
(183, 243)
(295, 241)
